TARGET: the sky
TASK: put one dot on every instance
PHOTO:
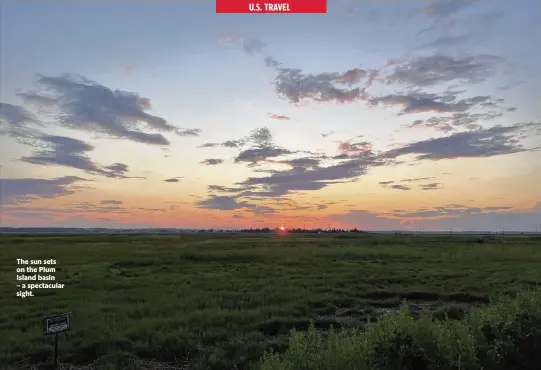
(379, 115)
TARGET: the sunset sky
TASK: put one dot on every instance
(378, 115)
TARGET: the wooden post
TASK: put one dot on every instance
(56, 351)
(53, 325)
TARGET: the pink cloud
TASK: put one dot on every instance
(279, 117)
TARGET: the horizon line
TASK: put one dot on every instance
(225, 229)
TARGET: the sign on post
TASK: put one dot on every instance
(56, 324)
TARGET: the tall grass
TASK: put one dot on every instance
(223, 300)
(503, 335)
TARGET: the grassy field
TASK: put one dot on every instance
(221, 300)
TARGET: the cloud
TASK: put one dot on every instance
(497, 140)
(212, 161)
(452, 217)
(445, 8)
(253, 46)
(431, 186)
(497, 221)
(256, 155)
(33, 98)
(304, 174)
(110, 201)
(272, 62)
(451, 210)
(71, 211)
(225, 144)
(460, 217)
(87, 106)
(445, 41)
(229, 203)
(15, 115)
(189, 132)
(173, 179)
(261, 210)
(407, 187)
(366, 220)
(372, 76)
(354, 147)
(116, 170)
(280, 183)
(438, 69)
(306, 162)
(131, 68)
(151, 209)
(262, 149)
(223, 189)
(69, 152)
(417, 179)
(27, 189)
(308, 174)
(259, 137)
(460, 120)
(222, 202)
(510, 85)
(400, 187)
(415, 102)
(18, 123)
(250, 46)
(352, 77)
(294, 85)
(279, 117)
(232, 143)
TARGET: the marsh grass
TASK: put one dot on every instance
(223, 300)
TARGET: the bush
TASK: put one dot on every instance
(503, 335)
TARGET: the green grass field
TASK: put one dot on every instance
(222, 300)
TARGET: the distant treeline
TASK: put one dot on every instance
(277, 229)
(70, 230)
(98, 230)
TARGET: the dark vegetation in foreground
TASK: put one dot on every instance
(504, 335)
(222, 300)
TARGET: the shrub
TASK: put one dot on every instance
(503, 335)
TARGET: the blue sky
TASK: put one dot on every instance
(380, 115)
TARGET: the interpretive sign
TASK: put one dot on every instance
(56, 324)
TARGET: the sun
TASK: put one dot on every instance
(282, 228)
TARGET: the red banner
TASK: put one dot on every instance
(268, 6)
